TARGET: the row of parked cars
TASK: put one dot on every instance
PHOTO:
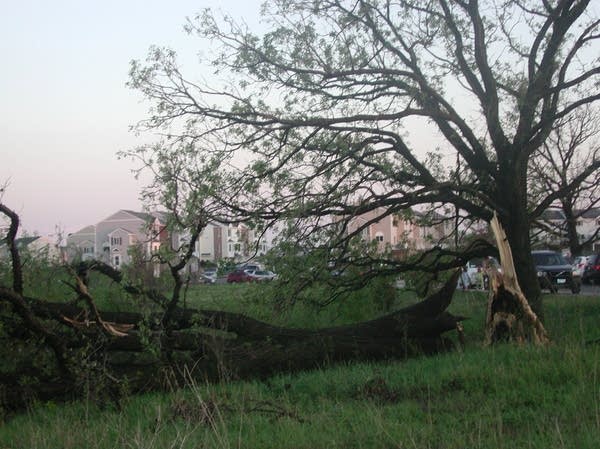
(247, 275)
(588, 268)
(244, 273)
(554, 270)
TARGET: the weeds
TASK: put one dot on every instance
(501, 397)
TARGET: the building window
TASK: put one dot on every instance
(88, 250)
(117, 261)
(116, 241)
(379, 237)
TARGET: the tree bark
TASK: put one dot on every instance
(509, 316)
(210, 345)
(515, 221)
(575, 247)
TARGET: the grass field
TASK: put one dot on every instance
(502, 397)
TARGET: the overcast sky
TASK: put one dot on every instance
(64, 108)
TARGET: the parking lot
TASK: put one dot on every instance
(589, 290)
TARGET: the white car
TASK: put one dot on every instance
(209, 276)
(579, 265)
(261, 275)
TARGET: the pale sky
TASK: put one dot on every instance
(64, 108)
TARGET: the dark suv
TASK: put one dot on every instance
(554, 271)
(591, 272)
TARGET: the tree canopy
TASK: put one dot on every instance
(318, 116)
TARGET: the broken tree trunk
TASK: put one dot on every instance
(509, 316)
(214, 345)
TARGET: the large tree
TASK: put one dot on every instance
(319, 116)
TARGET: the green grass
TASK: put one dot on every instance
(501, 397)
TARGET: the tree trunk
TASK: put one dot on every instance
(515, 220)
(509, 316)
(518, 238)
(571, 228)
(214, 345)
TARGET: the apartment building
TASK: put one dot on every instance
(414, 231)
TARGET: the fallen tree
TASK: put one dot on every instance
(105, 353)
(212, 345)
(86, 349)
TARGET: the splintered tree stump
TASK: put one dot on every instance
(509, 317)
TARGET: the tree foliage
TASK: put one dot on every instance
(319, 115)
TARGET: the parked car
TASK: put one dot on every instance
(554, 272)
(262, 275)
(239, 276)
(249, 267)
(209, 276)
(579, 264)
(591, 272)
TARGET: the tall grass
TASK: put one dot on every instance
(502, 397)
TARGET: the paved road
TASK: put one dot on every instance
(586, 290)
(590, 290)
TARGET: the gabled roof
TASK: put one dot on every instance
(119, 229)
(91, 229)
(553, 214)
(594, 212)
(141, 215)
(146, 217)
(162, 216)
(25, 241)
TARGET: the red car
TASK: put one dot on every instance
(591, 272)
(239, 276)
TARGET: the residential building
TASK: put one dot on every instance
(111, 239)
(240, 240)
(211, 244)
(414, 231)
(39, 247)
(82, 244)
(588, 225)
(548, 231)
